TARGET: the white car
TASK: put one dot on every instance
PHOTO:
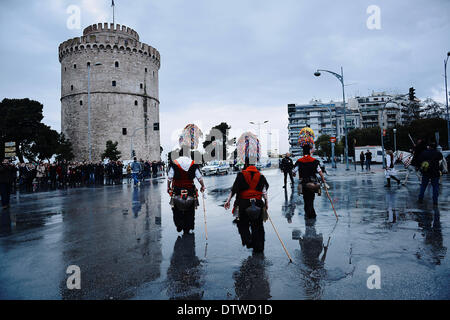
(215, 167)
(210, 168)
(224, 167)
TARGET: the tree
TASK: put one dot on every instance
(421, 128)
(64, 150)
(432, 109)
(223, 127)
(412, 111)
(111, 151)
(339, 147)
(19, 122)
(323, 145)
(45, 144)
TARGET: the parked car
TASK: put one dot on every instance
(224, 167)
(216, 167)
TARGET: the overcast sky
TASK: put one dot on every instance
(238, 61)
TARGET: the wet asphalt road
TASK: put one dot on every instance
(124, 241)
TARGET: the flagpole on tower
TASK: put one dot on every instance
(112, 5)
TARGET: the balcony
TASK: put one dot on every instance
(370, 121)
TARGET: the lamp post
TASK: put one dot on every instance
(269, 144)
(340, 77)
(333, 163)
(89, 108)
(395, 141)
(446, 100)
(259, 126)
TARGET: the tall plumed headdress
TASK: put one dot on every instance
(306, 137)
(190, 136)
(248, 147)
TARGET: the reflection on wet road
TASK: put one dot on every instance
(124, 241)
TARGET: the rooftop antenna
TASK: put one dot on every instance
(112, 5)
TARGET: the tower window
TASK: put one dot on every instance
(145, 69)
(74, 66)
(135, 102)
(117, 64)
(88, 64)
(141, 86)
(81, 102)
(156, 126)
(153, 74)
(114, 83)
(124, 131)
(71, 87)
(65, 69)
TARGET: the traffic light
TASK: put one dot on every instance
(412, 94)
(133, 154)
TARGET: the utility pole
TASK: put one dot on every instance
(446, 101)
(340, 77)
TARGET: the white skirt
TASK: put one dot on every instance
(390, 172)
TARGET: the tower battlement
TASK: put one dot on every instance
(108, 42)
(105, 27)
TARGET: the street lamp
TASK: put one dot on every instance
(340, 77)
(395, 140)
(259, 126)
(446, 101)
(89, 108)
(333, 163)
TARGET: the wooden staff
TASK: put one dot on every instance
(204, 214)
(331, 201)
(284, 247)
(412, 141)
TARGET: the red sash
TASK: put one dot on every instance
(183, 181)
(251, 192)
(306, 159)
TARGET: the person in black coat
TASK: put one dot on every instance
(154, 169)
(7, 177)
(362, 159)
(428, 162)
(286, 166)
(418, 148)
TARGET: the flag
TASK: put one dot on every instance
(112, 3)
(407, 161)
(405, 158)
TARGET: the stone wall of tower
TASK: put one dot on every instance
(132, 104)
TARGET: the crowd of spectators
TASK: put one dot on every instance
(34, 176)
